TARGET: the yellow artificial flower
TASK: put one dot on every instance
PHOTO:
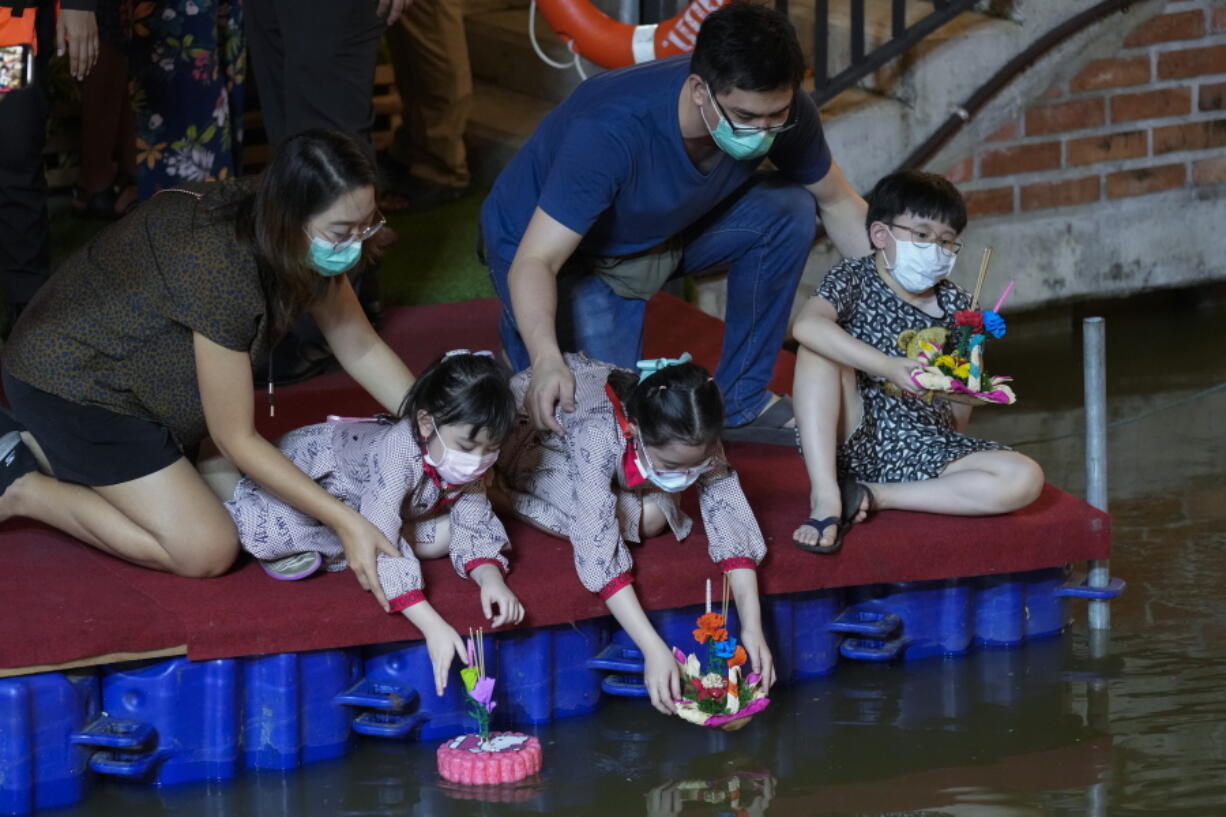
(469, 676)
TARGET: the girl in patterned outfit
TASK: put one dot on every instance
(417, 479)
(892, 452)
(629, 447)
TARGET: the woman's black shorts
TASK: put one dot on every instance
(89, 445)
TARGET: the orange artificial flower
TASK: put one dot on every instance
(710, 625)
(738, 658)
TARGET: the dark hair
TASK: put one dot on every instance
(747, 46)
(463, 389)
(923, 195)
(310, 171)
(675, 404)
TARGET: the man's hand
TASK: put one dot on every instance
(390, 10)
(552, 383)
(362, 542)
(76, 32)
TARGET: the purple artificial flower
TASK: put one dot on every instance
(483, 693)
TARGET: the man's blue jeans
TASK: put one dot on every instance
(762, 234)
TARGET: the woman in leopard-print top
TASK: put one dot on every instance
(614, 476)
(141, 346)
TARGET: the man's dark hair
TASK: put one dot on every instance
(750, 47)
(923, 195)
(678, 403)
(463, 389)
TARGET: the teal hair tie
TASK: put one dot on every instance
(649, 367)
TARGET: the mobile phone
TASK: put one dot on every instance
(16, 67)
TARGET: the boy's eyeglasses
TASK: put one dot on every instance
(785, 126)
(924, 239)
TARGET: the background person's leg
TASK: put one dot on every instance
(330, 51)
(264, 38)
(763, 234)
(25, 233)
(430, 54)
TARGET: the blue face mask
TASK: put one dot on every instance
(329, 260)
(673, 481)
(743, 146)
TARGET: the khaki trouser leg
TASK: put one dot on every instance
(430, 55)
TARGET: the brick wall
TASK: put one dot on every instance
(1150, 119)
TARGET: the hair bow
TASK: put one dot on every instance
(649, 367)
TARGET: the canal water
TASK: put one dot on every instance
(1133, 723)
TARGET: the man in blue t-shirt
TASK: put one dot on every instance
(650, 172)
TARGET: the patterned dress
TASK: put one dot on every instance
(899, 439)
(573, 485)
(376, 468)
(189, 72)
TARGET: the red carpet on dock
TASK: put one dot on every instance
(65, 602)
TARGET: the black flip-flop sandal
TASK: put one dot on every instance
(820, 525)
(769, 427)
(852, 494)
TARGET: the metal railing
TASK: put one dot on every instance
(902, 38)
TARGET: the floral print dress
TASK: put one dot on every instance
(189, 71)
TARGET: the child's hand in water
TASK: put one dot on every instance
(443, 643)
(495, 593)
(662, 678)
(760, 659)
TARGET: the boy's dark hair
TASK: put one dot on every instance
(750, 47)
(463, 389)
(675, 404)
(923, 195)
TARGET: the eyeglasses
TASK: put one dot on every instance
(924, 239)
(699, 469)
(785, 126)
(366, 232)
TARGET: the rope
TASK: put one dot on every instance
(545, 58)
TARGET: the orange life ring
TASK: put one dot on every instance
(611, 44)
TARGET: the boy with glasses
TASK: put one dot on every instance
(649, 173)
(864, 449)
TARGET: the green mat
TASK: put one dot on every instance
(435, 260)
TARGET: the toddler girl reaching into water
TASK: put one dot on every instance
(631, 446)
(415, 477)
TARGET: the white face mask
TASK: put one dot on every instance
(917, 269)
(673, 481)
(458, 467)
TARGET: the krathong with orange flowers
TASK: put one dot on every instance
(718, 694)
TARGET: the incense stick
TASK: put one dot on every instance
(983, 274)
(725, 607)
